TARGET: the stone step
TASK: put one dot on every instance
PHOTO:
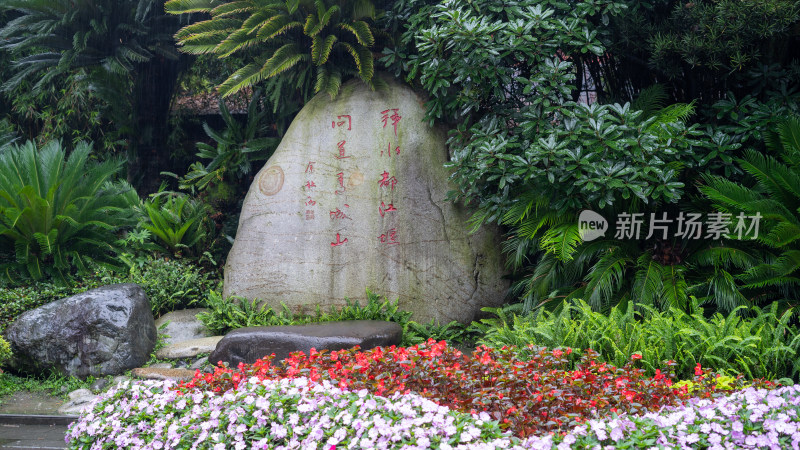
(148, 373)
(182, 325)
(189, 348)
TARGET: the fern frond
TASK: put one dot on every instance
(361, 31)
(605, 278)
(190, 6)
(562, 240)
(650, 100)
(647, 281)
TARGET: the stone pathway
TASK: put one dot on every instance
(31, 420)
(24, 436)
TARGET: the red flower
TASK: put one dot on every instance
(636, 356)
(698, 370)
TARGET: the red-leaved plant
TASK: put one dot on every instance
(526, 396)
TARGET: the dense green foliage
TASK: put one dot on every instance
(5, 352)
(172, 284)
(775, 196)
(236, 148)
(236, 312)
(168, 284)
(762, 344)
(58, 213)
(178, 224)
(554, 108)
(319, 42)
(122, 52)
(53, 384)
(702, 49)
(530, 90)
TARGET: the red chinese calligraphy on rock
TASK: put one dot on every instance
(387, 181)
(339, 241)
(339, 214)
(389, 150)
(310, 167)
(342, 155)
(310, 185)
(389, 237)
(383, 209)
(340, 177)
(309, 214)
(309, 201)
(341, 120)
(395, 118)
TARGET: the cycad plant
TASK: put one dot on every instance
(300, 39)
(774, 197)
(58, 214)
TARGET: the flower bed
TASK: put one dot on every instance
(297, 413)
(529, 396)
(281, 414)
(749, 419)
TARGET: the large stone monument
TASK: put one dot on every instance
(354, 198)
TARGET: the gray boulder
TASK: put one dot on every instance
(249, 344)
(104, 331)
(354, 198)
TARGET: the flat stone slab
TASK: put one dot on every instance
(182, 325)
(250, 344)
(24, 402)
(77, 405)
(163, 374)
(189, 349)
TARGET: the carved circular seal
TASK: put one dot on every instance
(271, 181)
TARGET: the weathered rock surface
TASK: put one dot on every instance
(182, 325)
(199, 363)
(354, 198)
(104, 331)
(189, 348)
(249, 344)
(150, 373)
